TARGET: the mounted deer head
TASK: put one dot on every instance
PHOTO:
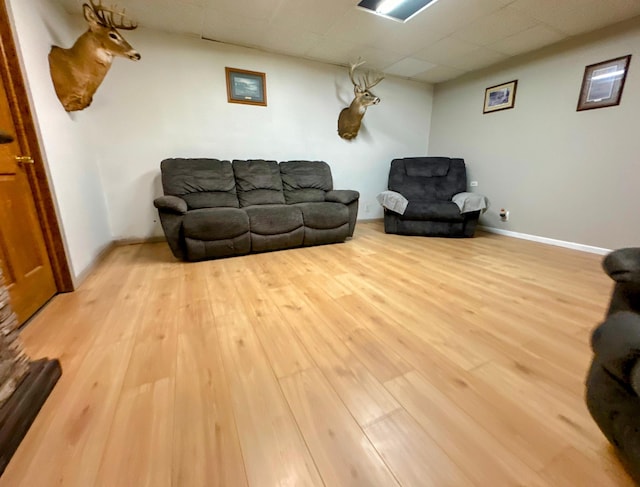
(351, 117)
(78, 72)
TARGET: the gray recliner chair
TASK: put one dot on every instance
(613, 382)
(429, 184)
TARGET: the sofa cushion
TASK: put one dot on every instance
(215, 223)
(273, 219)
(202, 183)
(324, 215)
(258, 182)
(305, 181)
(433, 211)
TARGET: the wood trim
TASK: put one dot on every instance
(11, 72)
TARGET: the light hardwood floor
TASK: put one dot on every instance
(384, 361)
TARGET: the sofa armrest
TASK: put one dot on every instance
(623, 265)
(616, 343)
(172, 204)
(344, 196)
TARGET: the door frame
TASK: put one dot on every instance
(13, 78)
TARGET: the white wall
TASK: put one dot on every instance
(173, 103)
(563, 174)
(70, 157)
(104, 161)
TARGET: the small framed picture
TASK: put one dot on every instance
(500, 97)
(602, 83)
(247, 87)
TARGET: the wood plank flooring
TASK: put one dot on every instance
(383, 361)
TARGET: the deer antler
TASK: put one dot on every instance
(352, 68)
(368, 83)
(364, 82)
(105, 17)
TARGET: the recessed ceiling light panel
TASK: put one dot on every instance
(400, 10)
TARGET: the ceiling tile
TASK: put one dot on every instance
(377, 59)
(183, 18)
(438, 74)
(528, 40)
(455, 35)
(311, 15)
(408, 67)
(363, 28)
(498, 25)
(578, 16)
(448, 16)
(234, 29)
(296, 43)
(263, 10)
(477, 59)
(445, 49)
(334, 51)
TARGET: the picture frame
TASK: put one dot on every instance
(602, 83)
(500, 97)
(246, 87)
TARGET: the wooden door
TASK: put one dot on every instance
(27, 269)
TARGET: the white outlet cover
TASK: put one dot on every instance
(473, 184)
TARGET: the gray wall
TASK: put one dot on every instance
(562, 174)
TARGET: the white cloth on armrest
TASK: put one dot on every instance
(468, 202)
(393, 201)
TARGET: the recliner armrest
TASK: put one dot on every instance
(172, 204)
(344, 196)
(616, 344)
(623, 265)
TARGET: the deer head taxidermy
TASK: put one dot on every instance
(351, 117)
(77, 72)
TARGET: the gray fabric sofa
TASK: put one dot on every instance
(613, 381)
(214, 208)
(429, 184)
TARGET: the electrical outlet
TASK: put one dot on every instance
(366, 207)
(504, 215)
(473, 184)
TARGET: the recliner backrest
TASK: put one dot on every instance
(428, 178)
(202, 183)
(258, 182)
(305, 181)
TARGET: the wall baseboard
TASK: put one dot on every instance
(135, 241)
(545, 240)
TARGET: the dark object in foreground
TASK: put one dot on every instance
(20, 410)
(613, 383)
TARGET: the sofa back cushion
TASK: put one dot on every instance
(428, 178)
(305, 181)
(258, 182)
(202, 183)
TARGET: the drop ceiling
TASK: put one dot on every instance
(449, 38)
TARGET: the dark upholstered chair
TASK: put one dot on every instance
(613, 383)
(429, 184)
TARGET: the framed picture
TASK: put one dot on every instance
(602, 83)
(248, 87)
(500, 97)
